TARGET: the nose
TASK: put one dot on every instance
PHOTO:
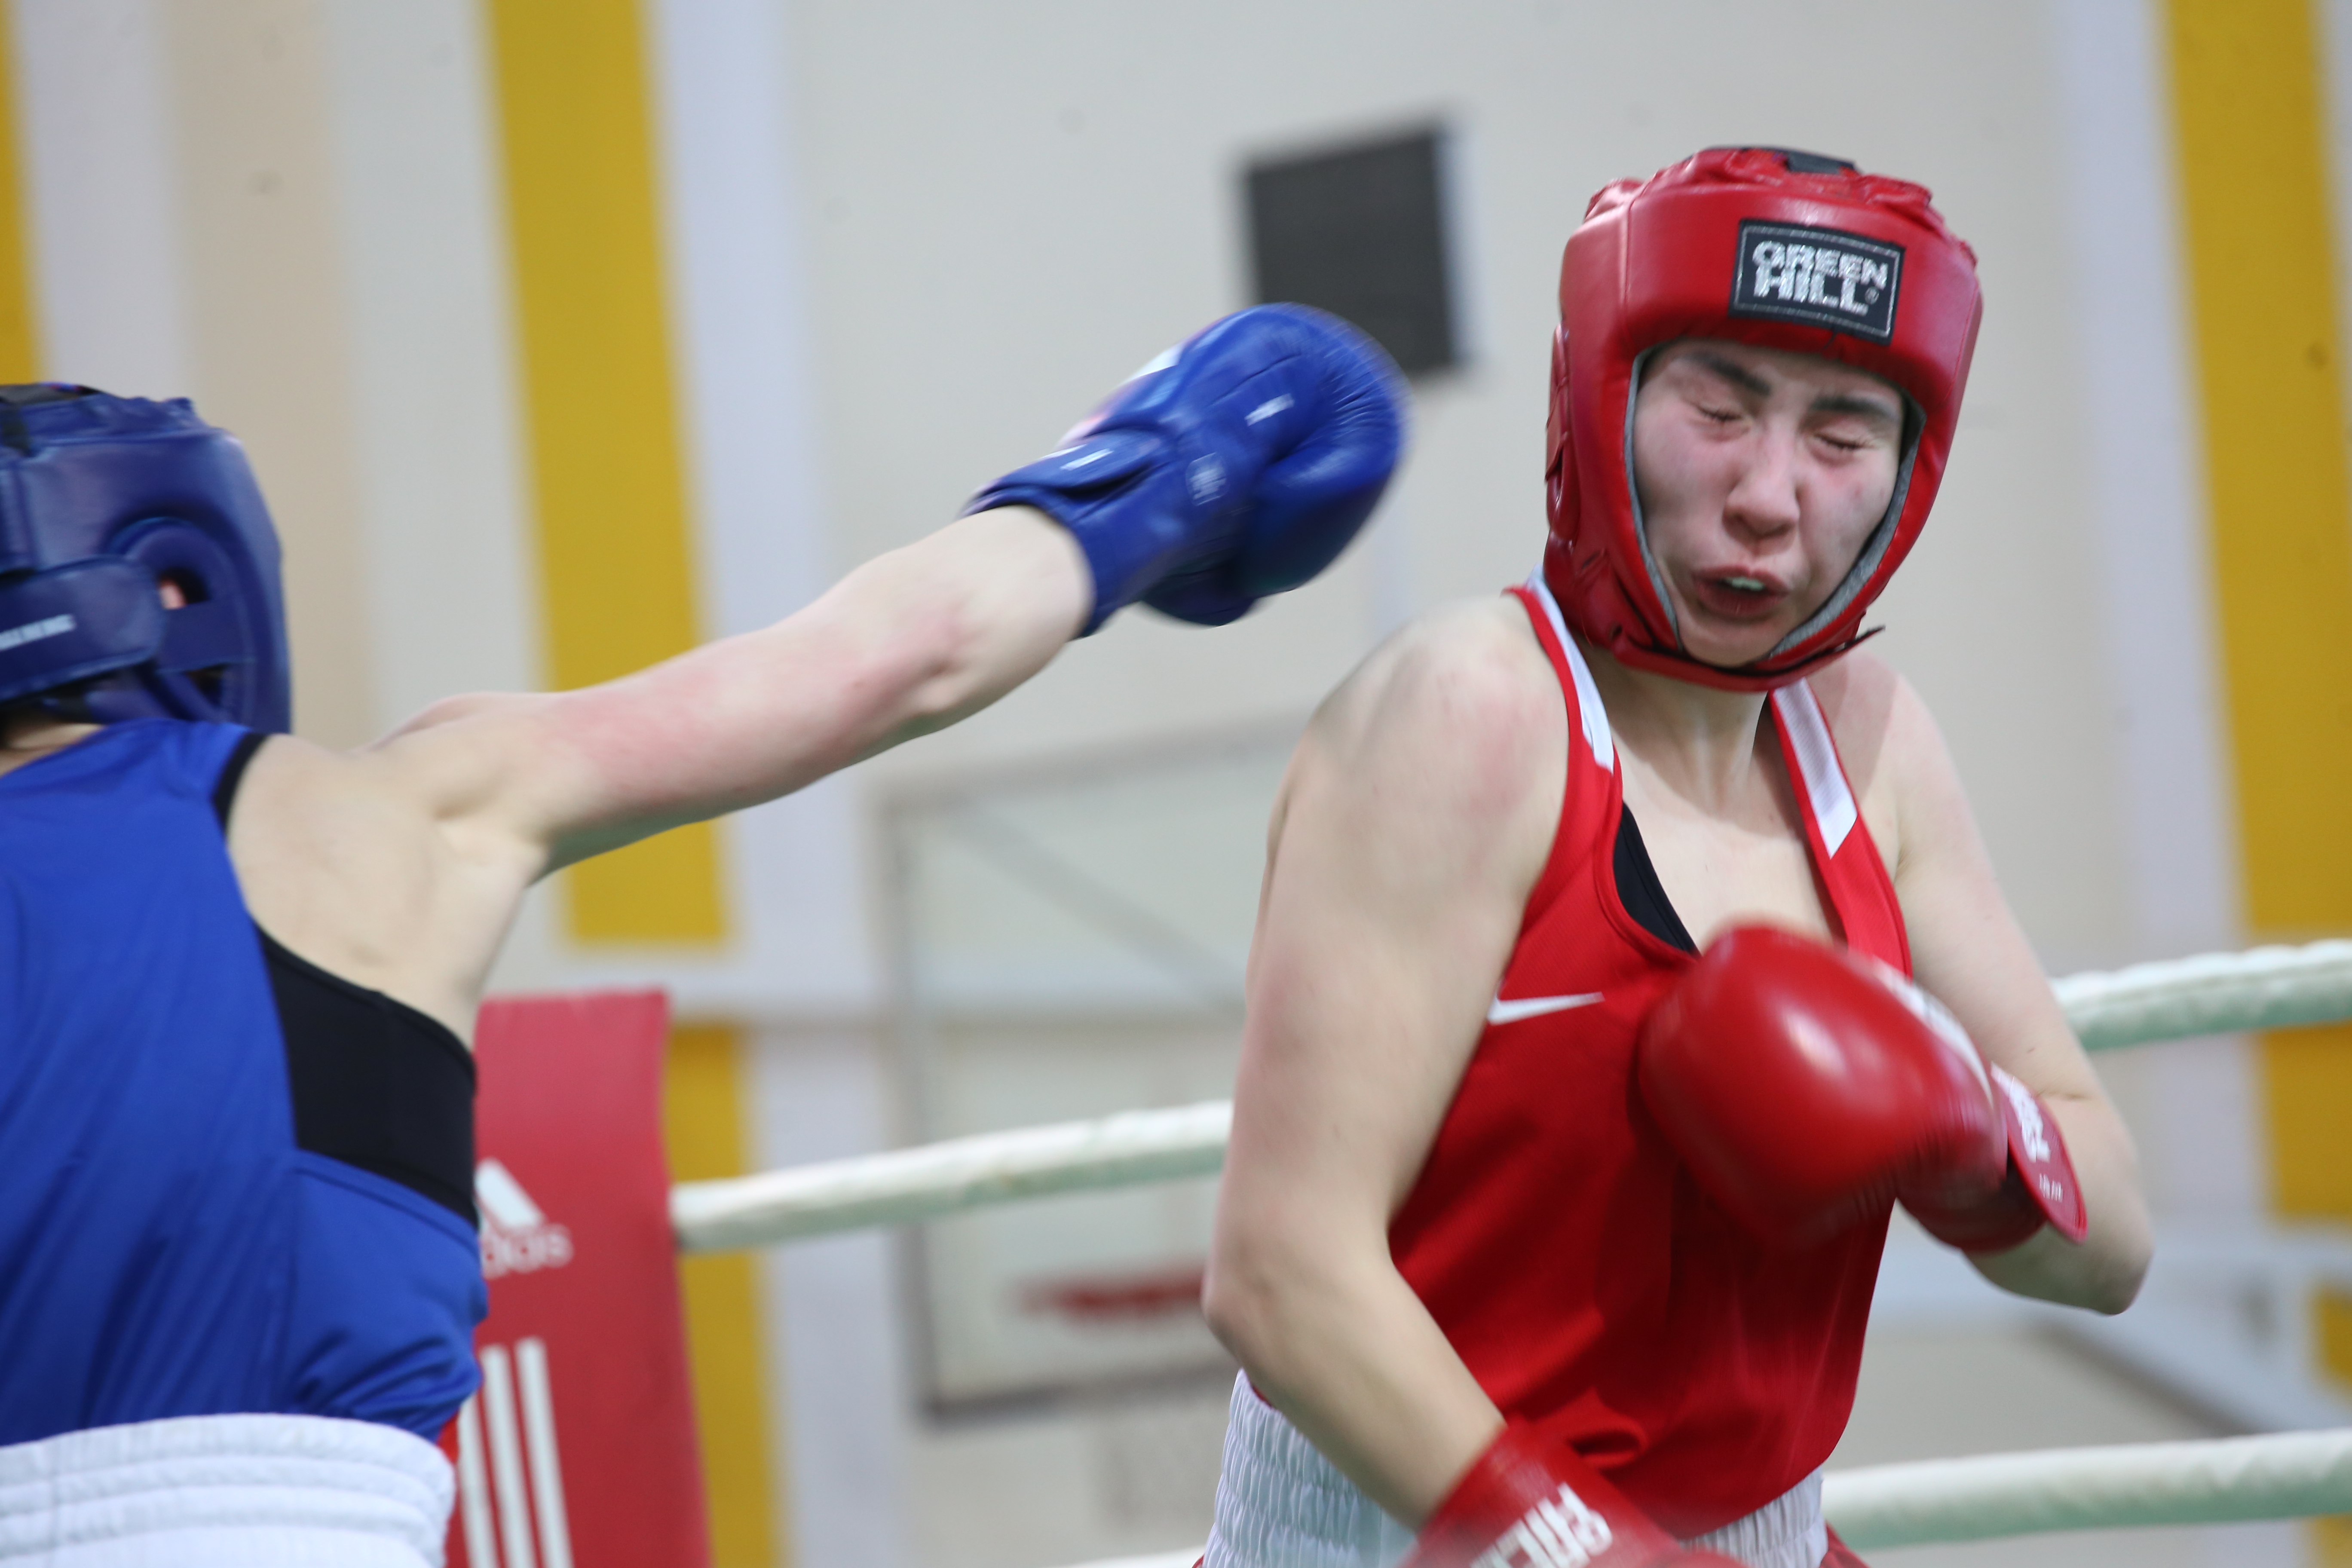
(1763, 504)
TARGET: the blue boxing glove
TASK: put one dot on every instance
(1237, 464)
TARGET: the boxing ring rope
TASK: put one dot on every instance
(2132, 1486)
(2286, 1475)
(2211, 994)
(933, 1179)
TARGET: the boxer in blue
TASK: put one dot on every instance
(238, 1277)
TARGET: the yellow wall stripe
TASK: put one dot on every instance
(2250, 123)
(616, 553)
(703, 1123)
(618, 571)
(2253, 146)
(2254, 164)
(2252, 132)
(20, 355)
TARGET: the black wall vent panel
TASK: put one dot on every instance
(1360, 231)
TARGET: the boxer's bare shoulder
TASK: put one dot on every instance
(1454, 724)
(1473, 668)
(1414, 820)
(348, 862)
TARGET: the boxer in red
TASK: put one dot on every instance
(1558, 1186)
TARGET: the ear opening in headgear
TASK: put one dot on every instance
(209, 644)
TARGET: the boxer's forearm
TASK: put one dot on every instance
(909, 642)
(1344, 1348)
(1019, 590)
(2104, 1273)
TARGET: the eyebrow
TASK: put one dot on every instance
(1747, 381)
(1858, 403)
(1732, 371)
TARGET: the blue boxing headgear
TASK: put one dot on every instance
(103, 498)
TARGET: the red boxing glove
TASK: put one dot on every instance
(1530, 1502)
(1806, 1086)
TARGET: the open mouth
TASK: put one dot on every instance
(1737, 595)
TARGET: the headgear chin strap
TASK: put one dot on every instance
(1755, 244)
(102, 500)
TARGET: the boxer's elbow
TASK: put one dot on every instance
(2102, 1273)
(2121, 1290)
(2118, 1268)
(1236, 1298)
(2105, 1272)
(1263, 1297)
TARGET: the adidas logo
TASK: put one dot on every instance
(517, 1237)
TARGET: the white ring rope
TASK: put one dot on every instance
(2294, 1475)
(2289, 1475)
(2211, 994)
(941, 1178)
(2219, 993)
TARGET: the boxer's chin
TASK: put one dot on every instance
(1728, 643)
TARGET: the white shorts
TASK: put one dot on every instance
(1281, 1504)
(226, 1491)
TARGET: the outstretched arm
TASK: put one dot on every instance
(910, 641)
(1412, 825)
(1235, 465)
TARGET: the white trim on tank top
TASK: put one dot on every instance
(1799, 714)
(1588, 711)
(1809, 736)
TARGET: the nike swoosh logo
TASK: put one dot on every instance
(1520, 1007)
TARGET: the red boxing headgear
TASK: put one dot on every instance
(1784, 250)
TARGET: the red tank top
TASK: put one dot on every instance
(1589, 1285)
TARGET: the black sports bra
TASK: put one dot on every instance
(1639, 890)
(374, 1082)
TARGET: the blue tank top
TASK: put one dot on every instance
(168, 1244)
